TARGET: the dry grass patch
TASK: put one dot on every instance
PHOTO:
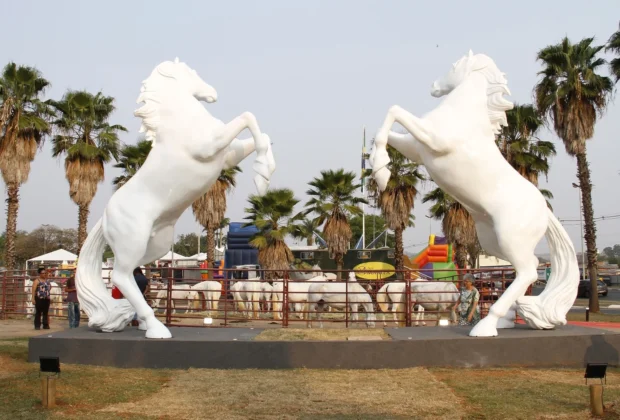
(297, 394)
(80, 389)
(527, 393)
(318, 334)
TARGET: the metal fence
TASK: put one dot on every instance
(287, 299)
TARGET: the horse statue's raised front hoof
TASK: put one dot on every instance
(155, 329)
(487, 327)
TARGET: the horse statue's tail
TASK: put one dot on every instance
(382, 299)
(549, 309)
(103, 311)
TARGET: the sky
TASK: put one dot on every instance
(314, 74)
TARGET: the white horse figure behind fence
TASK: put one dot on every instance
(211, 291)
(340, 295)
(425, 295)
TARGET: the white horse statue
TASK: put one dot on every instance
(456, 144)
(190, 149)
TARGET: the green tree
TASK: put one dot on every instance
(396, 201)
(88, 141)
(272, 214)
(209, 209)
(613, 45)
(333, 202)
(132, 157)
(572, 94)
(23, 126)
(456, 223)
(306, 229)
(374, 223)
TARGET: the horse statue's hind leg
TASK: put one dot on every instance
(131, 254)
(517, 245)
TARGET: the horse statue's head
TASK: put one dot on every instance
(169, 76)
(496, 85)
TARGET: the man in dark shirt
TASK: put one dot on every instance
(142, 283)
(141, 279)
(73, 305)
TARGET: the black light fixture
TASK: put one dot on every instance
(49, 365)
(596, 371)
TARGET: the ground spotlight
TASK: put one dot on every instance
(596, 371)
(49, 365)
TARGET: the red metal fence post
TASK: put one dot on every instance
(284, 302)
(3, 313)
(407, 303)
(346, 308)
(169, 300)
(226, 288)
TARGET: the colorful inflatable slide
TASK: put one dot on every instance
(438, 255)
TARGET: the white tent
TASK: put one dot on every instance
(170, 255)
(60, 255)
(219, 254)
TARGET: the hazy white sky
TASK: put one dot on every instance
(314, 73)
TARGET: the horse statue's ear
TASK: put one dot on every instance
(470, 54)
(176, 60)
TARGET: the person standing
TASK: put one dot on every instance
(467, 310)
(41, 289)
(73, 305)
(143, 284)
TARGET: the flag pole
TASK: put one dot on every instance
(364, 192)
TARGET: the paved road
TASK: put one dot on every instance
(613, 297)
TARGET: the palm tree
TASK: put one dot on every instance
(23, 126)
(209, 209)
(456, 223)
(613, 45)
(571, 94)
(306, 229)
(520, 145)
(333, 203)
(272, 216)
(132, 158)
(88, 142)
(396, 201)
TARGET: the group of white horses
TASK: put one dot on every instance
(308, 298)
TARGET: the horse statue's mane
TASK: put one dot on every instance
(150, 95)
(497, 87)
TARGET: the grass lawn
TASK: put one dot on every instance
(111, 393)
(594, 317)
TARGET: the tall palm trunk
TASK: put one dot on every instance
(583, 173)
(11, 225)
(310, 240)
(210, 249)
(83, 211)
(398, 249)
(339, 264)
(461, 255)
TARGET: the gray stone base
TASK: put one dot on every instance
(233, 348)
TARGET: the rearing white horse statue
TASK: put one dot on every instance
(456, 144)
(190, 149)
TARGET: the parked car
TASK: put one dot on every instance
(584, 288)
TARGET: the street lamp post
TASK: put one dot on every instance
(430, 228)
(583, 258)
